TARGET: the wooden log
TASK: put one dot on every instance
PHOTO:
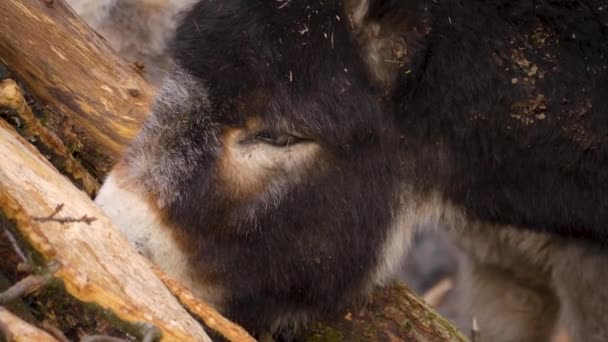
(11, 97)
(97, 264)
(204, 311)
(17, 330)
(395, 313)
(76, 75)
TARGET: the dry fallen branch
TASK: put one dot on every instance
(149, 333)
(474, 330)
(16, 248)
(76, 75)
(394, 314)
(51, 329)
(206, 313)
(26, 285)
(17, 330)
(101, 338)
(209, 316)
(97, 263)
(435, 295)
(11, 97)
(53, 217)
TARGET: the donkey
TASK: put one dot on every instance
(295, 146)
(139, 30)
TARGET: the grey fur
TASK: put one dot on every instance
(139, 30)
(521, 285)
(159, 170)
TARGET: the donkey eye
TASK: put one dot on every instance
(274, 138)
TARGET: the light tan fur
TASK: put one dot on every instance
(256, 168)
(415, 212)
(140, 221)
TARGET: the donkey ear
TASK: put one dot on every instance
(382, 28)
(356, 11)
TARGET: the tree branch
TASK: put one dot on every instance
(17, 330)
(96, 101)
(97, 264)
(11, 97)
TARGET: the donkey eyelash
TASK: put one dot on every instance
(275, 139)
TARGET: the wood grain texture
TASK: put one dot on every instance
(97, 263)
(395, 313)
(11, 97)
(204, 311)
(76, 75)
(17, 330)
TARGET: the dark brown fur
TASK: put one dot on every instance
(296, 146)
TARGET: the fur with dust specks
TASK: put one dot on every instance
(485, 117)
(501, 108)
(286, 232)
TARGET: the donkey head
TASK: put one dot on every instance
(266, 177)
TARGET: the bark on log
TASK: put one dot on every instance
(11, 97)
(76, 75)
(395, 313)
(17, 330)
(80, 79)
(97, 263)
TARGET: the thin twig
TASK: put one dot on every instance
(150, 332)
(26, 266)
(474, 330)
(53, 330)
(212, 319)
(101, 338)
(284, 4)
(24, 286)
(58, 208)
(29, 283)
(13, 241)
(435, 295)
(51, 218)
